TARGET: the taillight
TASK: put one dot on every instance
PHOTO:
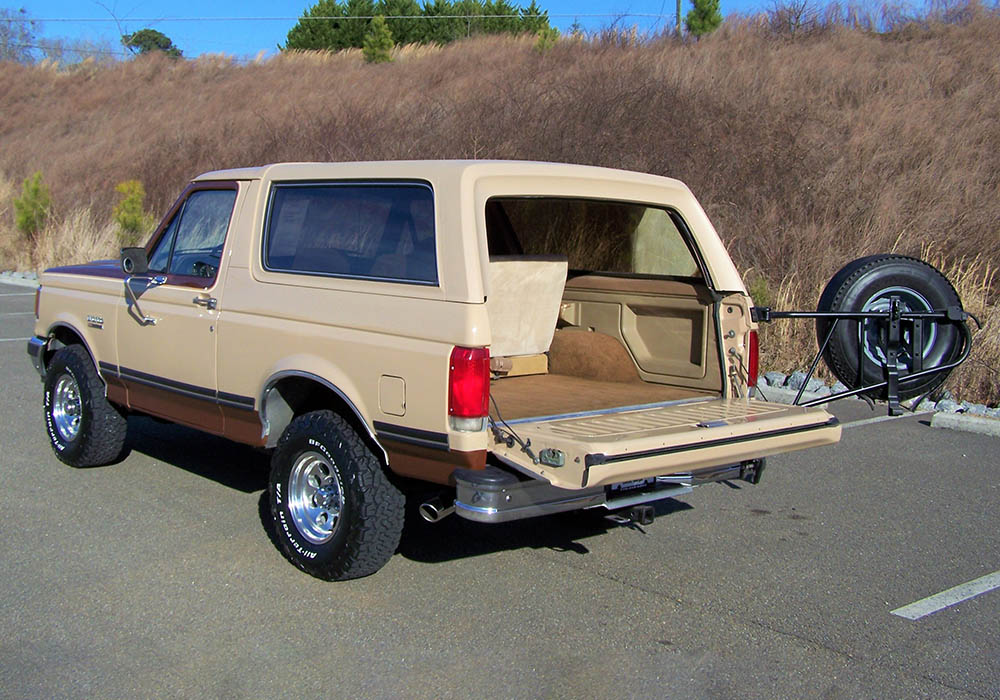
(469, 383)
(38, 294)
(753, 362)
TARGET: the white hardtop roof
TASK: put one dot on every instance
(513, 177)
(426, 169)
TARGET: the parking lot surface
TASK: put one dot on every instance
(156, 577)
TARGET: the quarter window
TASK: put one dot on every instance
(372, 230)
(598, 235)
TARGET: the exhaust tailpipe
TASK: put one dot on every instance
(434, 510)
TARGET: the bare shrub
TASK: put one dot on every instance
(76, 238)
(794, 18)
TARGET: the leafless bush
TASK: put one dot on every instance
(794, 18)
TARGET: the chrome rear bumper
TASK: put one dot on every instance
(492, 495)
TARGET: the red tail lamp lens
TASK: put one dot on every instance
(753, 363)
(469, 383)
(38, 294)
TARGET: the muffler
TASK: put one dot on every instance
(435, 510)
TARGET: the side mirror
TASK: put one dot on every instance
(134, 261)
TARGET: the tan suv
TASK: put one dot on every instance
(526, 338)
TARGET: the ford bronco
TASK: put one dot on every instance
(527, 338)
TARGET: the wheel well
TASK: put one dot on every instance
(291, 396)
(62, 336)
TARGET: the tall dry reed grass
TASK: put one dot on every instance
(807, 150)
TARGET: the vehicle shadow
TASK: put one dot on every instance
(245, 469)
(228, 463)
(456, 538)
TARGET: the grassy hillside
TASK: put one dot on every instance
(806, 153)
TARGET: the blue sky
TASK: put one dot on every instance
(248, 37)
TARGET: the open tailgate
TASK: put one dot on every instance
(622, 444)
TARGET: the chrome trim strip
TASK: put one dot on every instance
(275, 378)
(83, 341)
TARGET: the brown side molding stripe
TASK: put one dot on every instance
(197, 392)
(235, 400)
(412, 436)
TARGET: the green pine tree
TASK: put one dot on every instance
(404, 31)
(378, 42)
(147, 41)
(703, 18)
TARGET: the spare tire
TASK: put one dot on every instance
(856, 352)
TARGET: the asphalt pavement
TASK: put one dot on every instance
(156, 577)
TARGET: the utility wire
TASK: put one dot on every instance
(69, 49)
(336, 17)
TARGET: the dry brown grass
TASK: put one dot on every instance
(806, 152)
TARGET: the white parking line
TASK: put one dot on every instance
(11, 340)
(18, 294)
(944, 599)
(19, 313)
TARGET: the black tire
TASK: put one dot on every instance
(336, 514)
(85, 429)
(867, 284)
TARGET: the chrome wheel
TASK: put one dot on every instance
(67, 407)
(315, 497)
(873, 333)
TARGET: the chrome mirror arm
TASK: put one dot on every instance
(133, 298)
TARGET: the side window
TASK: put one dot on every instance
(381, 231)
(599, 235)
(160, 258)
(658, 247)
(192, 243)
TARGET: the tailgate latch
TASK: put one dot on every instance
(552, 457)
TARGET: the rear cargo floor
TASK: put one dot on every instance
(555, 394)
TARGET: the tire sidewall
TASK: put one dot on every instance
(308, 555)
(64, 363)
(853, 286)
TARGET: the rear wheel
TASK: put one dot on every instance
(84, 428)
(336, 514)
(856, 352)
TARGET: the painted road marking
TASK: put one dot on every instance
(882, 419)
(944, 599)
(18, 294)
(11, 340)
(19, 313)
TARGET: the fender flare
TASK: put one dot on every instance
(282, 414)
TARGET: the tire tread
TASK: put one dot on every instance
(833, 299)
(377, 517)
(104, 438)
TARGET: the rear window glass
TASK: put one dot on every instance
(371, 230)
(598, 235)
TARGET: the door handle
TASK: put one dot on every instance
(208, 302)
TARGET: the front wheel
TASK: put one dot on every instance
(336, 514)
(85, 429)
